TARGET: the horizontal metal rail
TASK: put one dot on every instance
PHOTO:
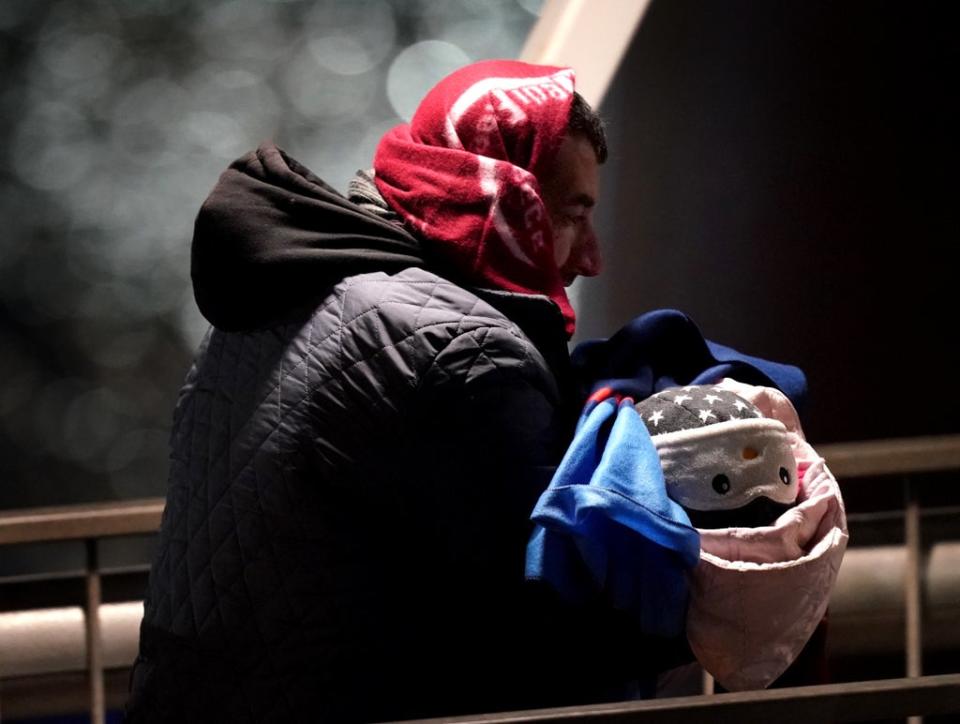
(81, 522)
(893, 456)
(104, 520)
(57, 695)
(39, 633)
(859, 701)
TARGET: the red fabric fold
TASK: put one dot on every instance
(463, 173)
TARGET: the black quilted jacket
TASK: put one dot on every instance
(352, 472)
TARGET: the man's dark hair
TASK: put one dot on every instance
(586, 122)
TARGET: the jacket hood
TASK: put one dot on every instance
(272, 237)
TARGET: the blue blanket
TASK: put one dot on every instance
(664, 348)
(604, 525)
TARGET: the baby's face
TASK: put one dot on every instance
(726, 464)
(727, 473)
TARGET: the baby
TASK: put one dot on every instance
(723, 461)
(750, 581)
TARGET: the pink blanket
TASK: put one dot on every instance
(758, 593)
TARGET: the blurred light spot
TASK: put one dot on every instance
(140, 8)
(126, 349)
(341, 54)
(79, 56)
(124, 450)
(236, 78)
(438, 17)
(54, 167)
(64, 16)
(153, 99)
(217, 132)
(244, 96)
(105, 301)
(138, 234)
(319, 94)
(92, 203)
(52, 148)
(160, 291)
(488, 37)
(91, 423)
(369, 27)
(15, 12)
(534, 7)
(50, 288)
(239, 31)
(417, 69)
(136, 296)
(48, 411)
(144, 118)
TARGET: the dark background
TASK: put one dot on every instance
(783, 171)
(786, 173)
(116, 118)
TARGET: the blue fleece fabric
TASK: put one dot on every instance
(664, 348)
(606, 526)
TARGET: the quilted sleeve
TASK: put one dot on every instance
(489, 417)
(492, 428)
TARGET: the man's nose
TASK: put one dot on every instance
(589, 260)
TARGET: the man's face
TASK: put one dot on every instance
(569, 190)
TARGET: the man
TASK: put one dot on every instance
(359, 445)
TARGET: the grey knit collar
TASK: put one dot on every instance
(362, 191)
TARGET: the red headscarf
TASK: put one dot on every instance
(462, 173)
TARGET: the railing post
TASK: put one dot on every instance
(708, 684)
(913, 586)
(92, 621)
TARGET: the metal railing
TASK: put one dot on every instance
(859, 701)
(914, 695)
(906, 457)
(90, 524)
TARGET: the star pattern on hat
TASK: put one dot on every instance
(685, 408)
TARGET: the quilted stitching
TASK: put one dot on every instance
(224, 575)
